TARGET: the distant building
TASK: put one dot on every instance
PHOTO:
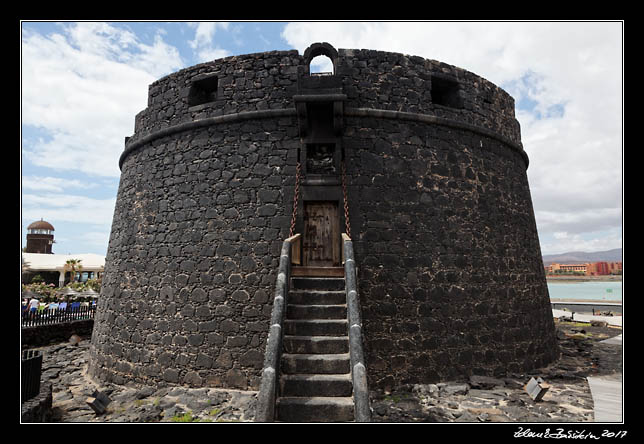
(38, 259)
(51, 265)
(40, 237)
(598, 269)
(615, 267)
(588, 269)
(566, 268)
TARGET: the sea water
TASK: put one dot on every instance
(600, 291)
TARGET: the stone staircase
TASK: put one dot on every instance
(315, 380)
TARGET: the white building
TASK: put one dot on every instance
(37, 256)
(92, 264)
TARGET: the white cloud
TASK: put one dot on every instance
(205, 31)
(581, 220)
(203, 41)
(208, 54)
(53, 184)
(563, 242)
(95, 239)
(83, 87)
(82, 224)
(62, 207)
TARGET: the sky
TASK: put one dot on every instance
(82, 83)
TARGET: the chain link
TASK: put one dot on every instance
(346, 201)
(296, 197)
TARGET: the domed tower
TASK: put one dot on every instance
(40, 237)
(420, 162)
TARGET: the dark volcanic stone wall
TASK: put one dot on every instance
(194, 248)
(450, 271)
(193, 255)
(396, 82)
(450, 274)
(250, 82)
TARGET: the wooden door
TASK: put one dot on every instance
(321, 240)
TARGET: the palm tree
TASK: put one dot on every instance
(73, 265)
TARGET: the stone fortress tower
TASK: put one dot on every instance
(438, 206)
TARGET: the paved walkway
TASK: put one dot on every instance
(607, 392)
(612, 320)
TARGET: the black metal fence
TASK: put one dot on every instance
(31, 369)
(57, 316)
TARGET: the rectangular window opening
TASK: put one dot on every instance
(203, 90)
(445, 92)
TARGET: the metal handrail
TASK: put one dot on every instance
(362, 409)
(267, 395)
(57, 316)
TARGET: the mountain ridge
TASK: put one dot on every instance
(581, 257)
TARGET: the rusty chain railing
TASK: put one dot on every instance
(296, 197)
(346, 201)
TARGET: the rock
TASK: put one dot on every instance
(144, 392)
(74, 340)
(493, 395)
(485, 382)
(125, 396)
(440, 412)
(454, 389)
(513, 383)
(466, 417)
(381, 409)
(172, 411)
(150, 413)
(65, 395)
(480, 399)
(425, 389)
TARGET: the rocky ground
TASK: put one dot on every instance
(478, 399)
(65, 365)
(484, 399)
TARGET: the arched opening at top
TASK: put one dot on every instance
(321, 65)
(320, 59)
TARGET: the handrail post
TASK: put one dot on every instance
(295, 249)
(362, 410)
(265, 411)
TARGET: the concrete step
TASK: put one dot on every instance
(316, 327)
(317, 283)
(315, 344)
(316, 311)
(315, 409)
(300, 363)
(317, 297)
(317, 271)
(316, 385)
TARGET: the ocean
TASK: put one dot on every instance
(596, 291)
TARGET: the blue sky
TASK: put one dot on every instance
(83, 83)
